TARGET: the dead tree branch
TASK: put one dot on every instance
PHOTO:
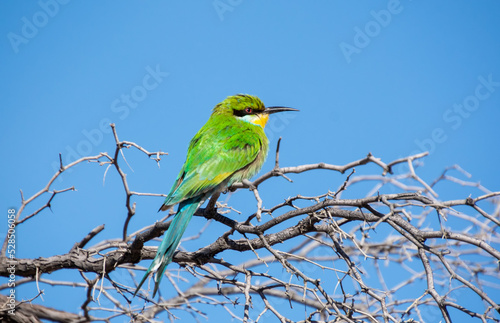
(393, 253)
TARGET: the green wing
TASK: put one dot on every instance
(215, 153)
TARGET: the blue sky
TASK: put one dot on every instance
(388, 77)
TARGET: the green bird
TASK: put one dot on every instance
(230, 147)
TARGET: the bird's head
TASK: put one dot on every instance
(248, 108)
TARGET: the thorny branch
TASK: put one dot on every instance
(391, 254)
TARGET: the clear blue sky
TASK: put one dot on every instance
(387, 77)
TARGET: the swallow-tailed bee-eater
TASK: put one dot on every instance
(231, 147)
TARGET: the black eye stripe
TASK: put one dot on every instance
(242, 113)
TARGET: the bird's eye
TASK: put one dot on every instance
(243, 112)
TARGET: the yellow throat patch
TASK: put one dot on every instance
(260, 119)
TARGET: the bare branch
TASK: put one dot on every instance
(319, 258)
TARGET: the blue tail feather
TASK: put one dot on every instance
(171, 240)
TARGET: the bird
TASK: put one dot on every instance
(231, 147)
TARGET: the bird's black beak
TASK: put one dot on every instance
(271, 110)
